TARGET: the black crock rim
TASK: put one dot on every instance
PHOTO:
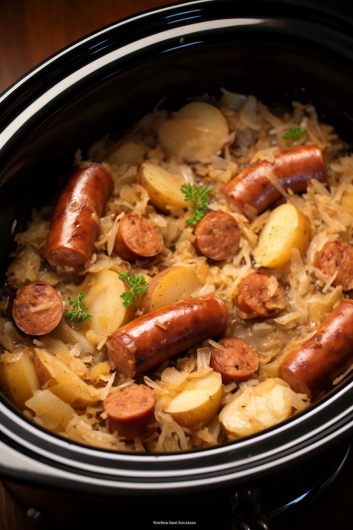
(221, 463)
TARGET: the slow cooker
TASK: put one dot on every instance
(276, 50)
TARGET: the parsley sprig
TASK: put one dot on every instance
(200, 197)
(138, 287)
(294, 133)
(80, 314)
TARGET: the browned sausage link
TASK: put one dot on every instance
(252, 192)
(316, 363)
(217, 236)
(158, 335)
(137, 237)
(235, 360)
(337, 256)
(37, 309)
(259, 295)
(75, 220)
(131, 411)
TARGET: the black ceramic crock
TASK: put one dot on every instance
(276, 50)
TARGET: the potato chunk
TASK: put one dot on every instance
(19, 379)
(198, 401)
(162, 186)
(103, 290)
(63, 382)
(286, 228)
(196, 133)
(257, 408)
(169, 286)
(129, 153)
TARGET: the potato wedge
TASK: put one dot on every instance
(63, 382)
(257, 408)
(103, 290)
(129, 153)
(198, 402)
(286, 228)
(162, 186)
(196, 132)
(19, 379)
(169, 286)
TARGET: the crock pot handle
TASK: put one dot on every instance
(247, 510)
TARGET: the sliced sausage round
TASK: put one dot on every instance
(313, 365)
(75, 221)
(259, 295)
(131, 411)
(337, 256)
(235, 360)
(217, 236)
(252, 190)
(158, 335)
(37, 309)
(137, 237)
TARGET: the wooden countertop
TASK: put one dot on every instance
(31, 31)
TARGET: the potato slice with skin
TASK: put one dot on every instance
(162, 186)
(198, 402)
(19, 379)
(257, 408)
(63, 382)
(196, 133)
(169, 286)
(286, 228)
(102, 292)
(130, 153)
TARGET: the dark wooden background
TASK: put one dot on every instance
(31, 31)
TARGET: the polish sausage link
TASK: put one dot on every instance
(76, 216)
(316, 363)
(137, 237)
(337, 256)
(37, 309)
(131, 411)
(217, 236)
(235, 360)
(259, 295)
(251, 192)
(158, 335)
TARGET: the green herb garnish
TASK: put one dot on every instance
(79, 315)
(138, 287)
(294, 133)
(200, 197)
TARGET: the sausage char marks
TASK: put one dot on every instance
(137, 237)
(337, 257)
(313, 365)
(131, 411)
(37, 309)
(235, 360)
(259, 295)
(158, 335)
(75, 221)
(217, 236)
(252, 191)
